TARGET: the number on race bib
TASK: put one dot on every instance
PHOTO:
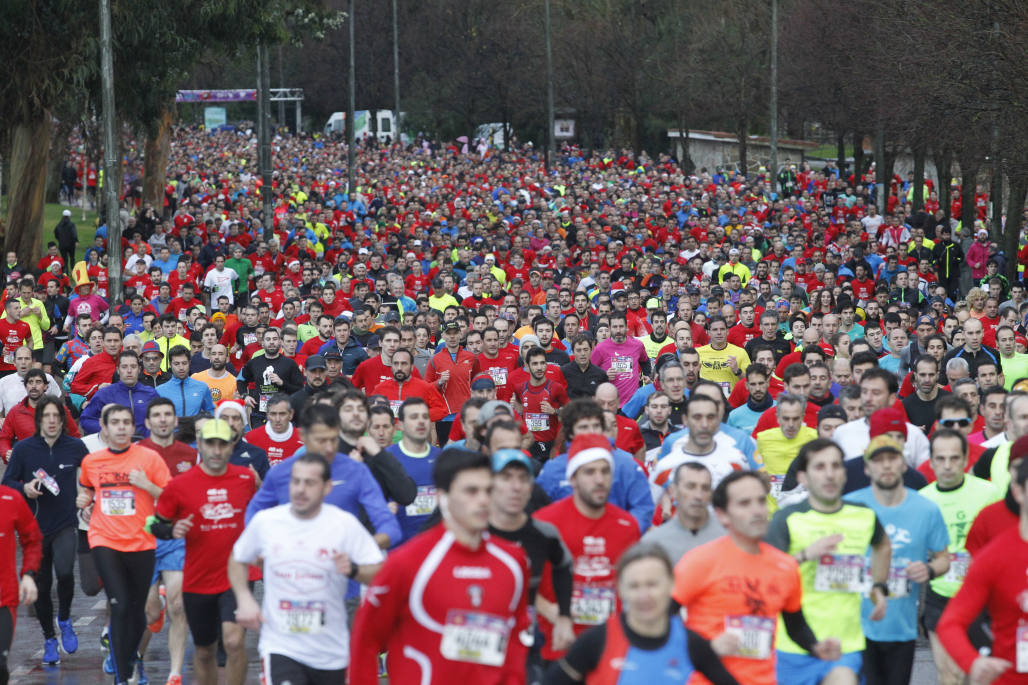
(1022, 649)
(958, 563)
(118, 502)
(499, 375)
(755, 633)
(591, 605)
(621, 364)
(475, 638)
(301, 616)
(840, 573)
(537, 422)
(424, 503)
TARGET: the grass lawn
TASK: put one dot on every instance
(52, 215)
(828, 152)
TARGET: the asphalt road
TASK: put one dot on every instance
(85, 666)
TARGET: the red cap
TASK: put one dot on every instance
(886, 420)
(1019, 450)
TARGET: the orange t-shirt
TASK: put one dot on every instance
(120, 509)
(721, 586)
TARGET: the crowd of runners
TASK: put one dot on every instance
(483, 421)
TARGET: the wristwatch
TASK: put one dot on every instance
(354, 570)
(883, 587)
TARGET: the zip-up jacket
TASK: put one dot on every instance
(21, 424)
(98, 369)
(189, 395)
(396, 393)
(15, 517)
(136, 397)
(61, 462)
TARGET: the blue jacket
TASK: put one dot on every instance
(53, 512)
(353, 354)
(189, 395)
(629, 490)
(353, 489)
(244, 454)
(137, 397)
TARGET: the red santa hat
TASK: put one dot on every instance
(587, 448)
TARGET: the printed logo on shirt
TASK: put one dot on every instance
(64, 466)
(594, 545)
(472, 572)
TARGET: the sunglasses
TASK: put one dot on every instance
(955, 423)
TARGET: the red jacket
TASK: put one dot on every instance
(15, 516)
(414, 387)
(95, 370)
(21, 423)
(458, 388)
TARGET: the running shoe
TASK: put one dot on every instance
(156, 626)
(51, 657)
(383, 672)
(105, 639)
(174, 680)
(141, 678)
(109, 663)
(69, 640)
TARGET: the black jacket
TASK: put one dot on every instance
(66, 234)
(582, 383)
(53, 512)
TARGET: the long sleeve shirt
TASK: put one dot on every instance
(189, 395)
(16, 517)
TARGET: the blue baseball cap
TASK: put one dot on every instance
(505, 457)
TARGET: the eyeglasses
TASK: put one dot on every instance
(955, 423)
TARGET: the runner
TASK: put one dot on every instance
(919, 542)
(995, 581)
(43, 468)
(733, 588)
(204, 508)
(449, 605)
(417, 457)
(829, 538)
(310, 551)
(541, 400)
(596, 533)
(16, 588)
(278, 437)
(645, 642)
(119, 485)
(960, 496)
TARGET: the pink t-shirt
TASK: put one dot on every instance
(627, 358)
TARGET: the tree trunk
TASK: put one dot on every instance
(858, 157)
(155, 165)
(943, 164)
(30, 147)
(55, 163)
(1015, 217)
(840, 150)
(743, 151)
(968, 184)
(917, 200)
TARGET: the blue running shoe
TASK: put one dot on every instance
(141, 678)
(109, 663)
(51, 657)
(69, 640)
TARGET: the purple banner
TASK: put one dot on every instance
(216, 96)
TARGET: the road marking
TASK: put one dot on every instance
(102, 604)
(84, 620)
(20, 671)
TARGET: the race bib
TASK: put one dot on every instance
(621, 364)
(499, 375)
(301, 616)
(537, 422)
(840, 573)
(591, 605)
(755, 633)
(1022, 649)
(475, 638)
(899, 583)
(424, 502)
(395, 406)
(776, 486)
(958, 563)
(118, 502)
(262, 404)
(249, 338)
(8, 356)
(182, 313)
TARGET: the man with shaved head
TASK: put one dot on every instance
(973, 351)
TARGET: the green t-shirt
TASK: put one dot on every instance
(959, 508)
(832, 585)
(1014, 369)
(244, 268)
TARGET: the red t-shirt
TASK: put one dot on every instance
(500, 369)
(277, 451)
(218, 507)
(14, 335)
(595, 545)
(543, 426)
(179, 457)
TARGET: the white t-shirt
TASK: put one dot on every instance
(220, 283)
(303, 608)
(854, 437)
(12, 390)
